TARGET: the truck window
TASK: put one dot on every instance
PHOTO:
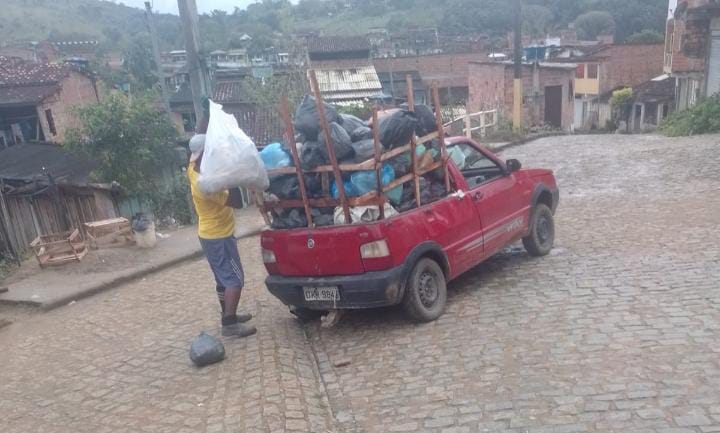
(475, 167)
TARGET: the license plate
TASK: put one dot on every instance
(321, 294)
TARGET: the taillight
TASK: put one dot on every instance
(268, 256)
(376, 256)
(375, 250)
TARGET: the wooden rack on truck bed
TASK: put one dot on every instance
(373, 198)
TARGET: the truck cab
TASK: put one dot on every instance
(409, 259)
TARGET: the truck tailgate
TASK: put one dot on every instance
(317, 252)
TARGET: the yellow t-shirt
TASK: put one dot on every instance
(216, 221)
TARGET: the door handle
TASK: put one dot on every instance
(478, 195)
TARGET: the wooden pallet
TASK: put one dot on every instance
(373, 198)
(59, 248)
(114, 232)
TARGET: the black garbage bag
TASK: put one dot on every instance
(284, 219)
(206, 350)
(307, 121)
(362, 133)
(294, 218)
(426, 119)
(350, 123)
(364, 150)
(398, 128)
(401, 164)
(342, 145)
(141, 222)
(288, 187)
(323, 217)
(285, 186)
(429, 192)
(313, 185)
(312, 156)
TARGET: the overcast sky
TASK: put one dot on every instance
(170, 6)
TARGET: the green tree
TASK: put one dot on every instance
(487, 16)
(537, 20)
(591, 24)
(139, 64)
(646, 36)
(130, 139)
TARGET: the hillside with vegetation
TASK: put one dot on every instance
(270, 21)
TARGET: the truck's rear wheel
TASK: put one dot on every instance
(426, 291)
(542, 232)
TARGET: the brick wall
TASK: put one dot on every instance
(76, 90)
(630, 65)
(450, 70)
(491, 87)
(696, 32)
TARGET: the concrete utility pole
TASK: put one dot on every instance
(156, 54)
(196, 66)
(518, 83)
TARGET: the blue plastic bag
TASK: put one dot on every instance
(275, 156)
(363, 182)
(350, 190)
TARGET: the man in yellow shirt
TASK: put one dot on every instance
(216, 226)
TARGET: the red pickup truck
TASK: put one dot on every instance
(408, 259)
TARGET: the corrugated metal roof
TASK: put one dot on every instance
(353, 80)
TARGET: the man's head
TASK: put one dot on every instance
(197, 146)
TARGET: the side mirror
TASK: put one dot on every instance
(513, 165)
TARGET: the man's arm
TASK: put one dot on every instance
(235, 199)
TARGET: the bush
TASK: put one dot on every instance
(704, 118)
(172, 201)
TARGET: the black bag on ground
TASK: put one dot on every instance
(426, 119)
(398, 128)
(312, 156)
(206, 350)
(364, 150)
(350, 123)
(342, 145)
(307, 121)
(361, 133)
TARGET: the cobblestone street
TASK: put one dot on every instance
(617, 330)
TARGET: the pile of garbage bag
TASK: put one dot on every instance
(352, 141)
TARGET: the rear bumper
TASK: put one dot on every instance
(368, 290)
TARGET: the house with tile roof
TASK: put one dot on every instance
(37, 100)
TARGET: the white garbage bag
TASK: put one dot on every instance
(230, 159)
(363, 214)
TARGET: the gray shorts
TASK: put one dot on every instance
(224, 260)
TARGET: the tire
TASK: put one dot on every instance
(542, 232)
(305, 314)
(425, 292)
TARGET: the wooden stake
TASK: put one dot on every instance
(378, 161)
(290, 132)
(329, 144)
(441, 134)
(413, 140)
